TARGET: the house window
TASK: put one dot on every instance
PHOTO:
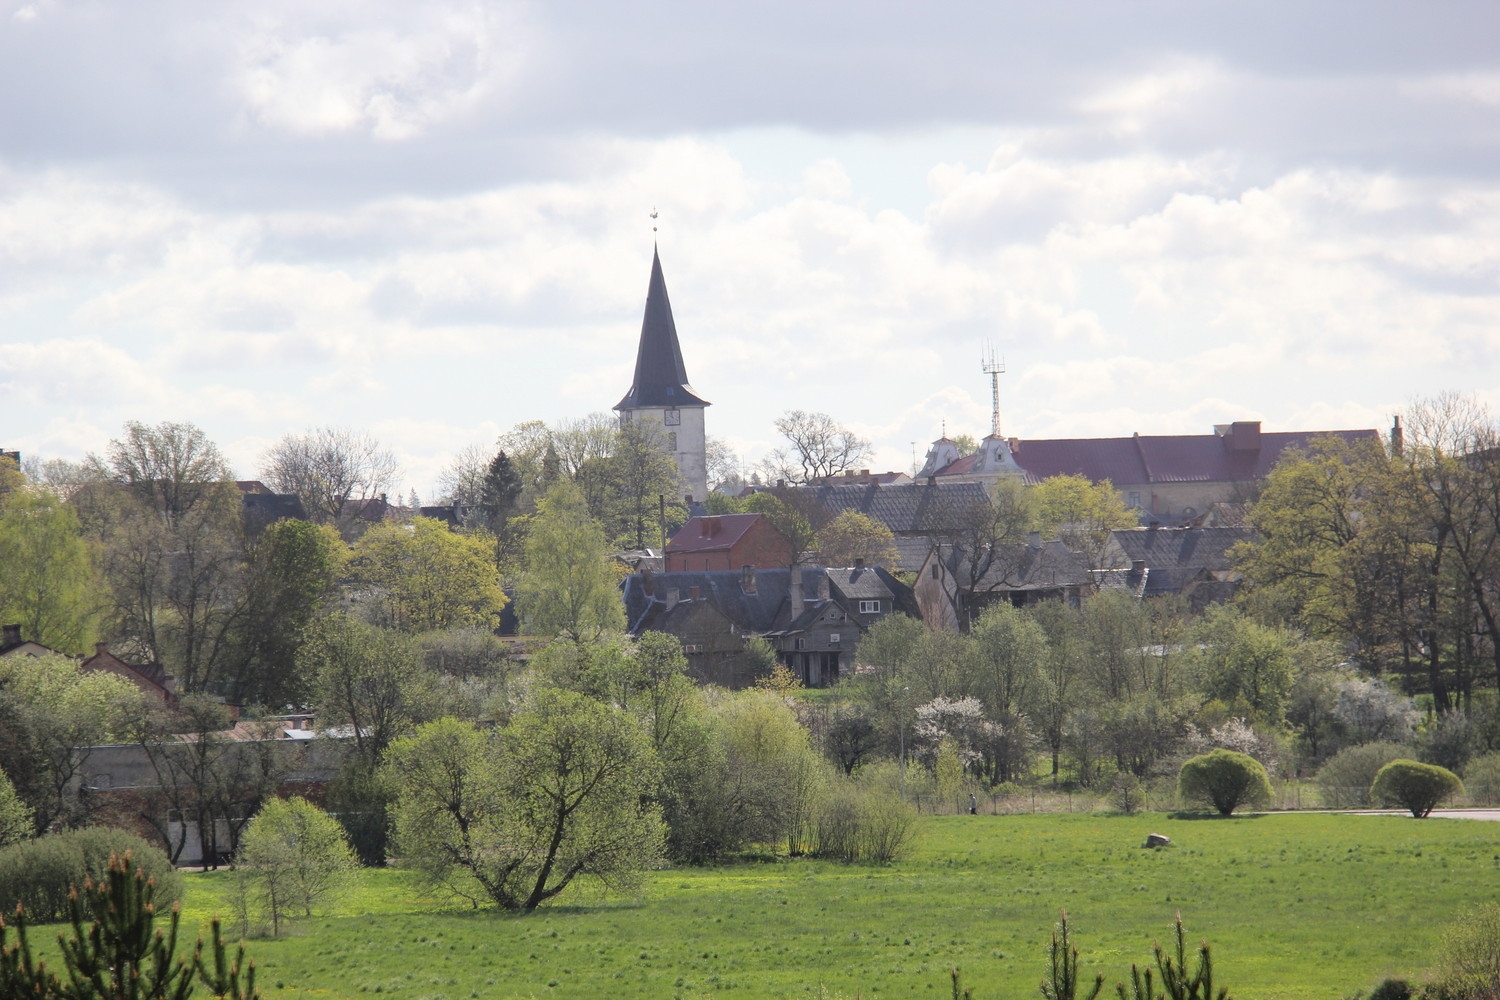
(869, 607)
(801, 643)
(1134, 500)
(692, 647)
(672, 417)
(833, 638)
(934, 572)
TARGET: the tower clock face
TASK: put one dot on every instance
(672, 417)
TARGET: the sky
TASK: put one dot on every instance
(430, 221)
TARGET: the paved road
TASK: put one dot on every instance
(1489, 814)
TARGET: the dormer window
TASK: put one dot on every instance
(869, 607)
(672, 417)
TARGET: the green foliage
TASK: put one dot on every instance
(17, 819)
(48, 709)
(121, 954)
(49, 581)
(1224, 779)
(563, 793)
(852, 537)
(788, 519)
(1246, 665)
(1415, 786)
(1345, 778)
(38, 873)
(1062, 974)
(367, 677)
(569, 587)
(1080, 512)
(863, 823)
(1176, 984)
(1482, 779)
(427, 577)
(1469, 956)
(291, 857)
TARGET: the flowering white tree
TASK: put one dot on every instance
(959, 720)
(1237, 735)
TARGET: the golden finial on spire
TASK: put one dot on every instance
(653, 218)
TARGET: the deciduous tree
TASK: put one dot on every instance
(334, 470)
(292, 857)
(424, 577)
(568, 588)
(817, 447)
(852, 538)
(49, 578)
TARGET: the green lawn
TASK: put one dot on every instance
(1295, 905)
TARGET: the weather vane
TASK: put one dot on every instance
(653, 218)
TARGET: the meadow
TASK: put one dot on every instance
(1295, 906)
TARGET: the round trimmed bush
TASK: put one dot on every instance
(38, 873)
(1414, 786)
(1224, 779)
(1345, 778)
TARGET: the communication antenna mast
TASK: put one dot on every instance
(994, 369)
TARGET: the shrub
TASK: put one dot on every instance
(862, 825)
(291, 856)
(1482, 780)
(1224, 779)
(1414, 786)
(1470, 958)
(39, 873)
(1127, 794)
(17, 822)
(1346, 777)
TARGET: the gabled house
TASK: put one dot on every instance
(1194, 562)
(813, 618)
(953, 587)
(12, 644)
(151, 678)
(727, 542)
(917, 514)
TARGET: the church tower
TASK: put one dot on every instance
(660, 393)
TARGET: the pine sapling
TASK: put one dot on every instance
(1062, 979)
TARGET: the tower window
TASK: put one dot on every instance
(672, 417)
(672, 440)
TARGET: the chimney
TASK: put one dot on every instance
(848, 473)
(12, 637)
(1244, 435)
(687, 498)
(1153, 525)
(781, 484)
(101, 648)
(648, 583)
(747, 579)
(1137, 565)
(794, 586)
(859, 562)
(696, 593)
(1034, 539)
(1398, 437)
(865, 473)
(671, 598)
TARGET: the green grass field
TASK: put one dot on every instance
(1295, 905)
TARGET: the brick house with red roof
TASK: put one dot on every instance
(728, 542)
(151, 678)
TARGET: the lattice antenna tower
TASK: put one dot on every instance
(994, 368)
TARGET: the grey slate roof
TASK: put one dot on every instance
(1049, 566)
(660, 376)
(1173, 548)
(905, 508)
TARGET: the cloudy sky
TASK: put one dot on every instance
(429, 220)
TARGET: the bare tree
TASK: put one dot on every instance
(817, 447)
(726, 472)
(329, 469)
(462, 482)
(174, 466)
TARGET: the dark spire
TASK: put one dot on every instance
(660, 377)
